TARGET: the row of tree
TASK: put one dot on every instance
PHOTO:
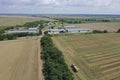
(78, 21)
(54, 66)
(104, 31)
(99, 31)
(4, 28)
(7, 37)
(35, 24)
(15, 35)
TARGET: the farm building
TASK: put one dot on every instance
(63, 27)
(55, 31)
(29, 30)
(77, 30)
(68, 29)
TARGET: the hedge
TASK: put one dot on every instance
(54, 66)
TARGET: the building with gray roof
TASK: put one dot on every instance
(68, 29)
(29, 30)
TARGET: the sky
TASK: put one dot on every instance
(60, 6)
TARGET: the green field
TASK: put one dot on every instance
(19, 20)
(96, 55)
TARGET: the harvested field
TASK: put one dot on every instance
(18, 20)
(110, 26)
(96, 55)
(20, 60)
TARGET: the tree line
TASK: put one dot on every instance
(79, 21)
(104, 31)
(99, 31)
(54, 66)
(15, 35)
(35, 24)
(7, 37)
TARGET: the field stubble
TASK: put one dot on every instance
(96, 55)
(19, 60)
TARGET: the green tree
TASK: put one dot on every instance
(105, 31)
(118, 31)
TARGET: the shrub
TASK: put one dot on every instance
(46, 32)
(98, 31)
(7, 37)
(105, 31)
(46, 42)
(118, 31)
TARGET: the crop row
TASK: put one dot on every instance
(113, 73)
(102, 51)
(111, 65)
(116, 78)
(104, 58)
(110, 62)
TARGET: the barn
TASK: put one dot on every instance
(29, 30)
(68, 29)
(55, 31)
(77, 30)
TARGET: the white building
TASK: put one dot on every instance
(29, 30)
(55, 31)
(68, 29)
(77, 30)
(63, 27)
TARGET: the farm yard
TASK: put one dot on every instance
(20, 60)
(96, 55)
(109, 26)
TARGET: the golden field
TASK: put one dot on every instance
(109, 26)
(96, 55)
(18, 20)
(20, 60)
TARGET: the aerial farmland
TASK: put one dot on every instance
(59, 39)
(96, 55)
(93, 55)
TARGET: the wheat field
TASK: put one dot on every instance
(96, 55)
(109, 26)
(19, 20)
(20, 60)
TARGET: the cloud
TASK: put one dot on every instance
(60, 6)
(78, 2)
(100, 2)
(58, 2)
